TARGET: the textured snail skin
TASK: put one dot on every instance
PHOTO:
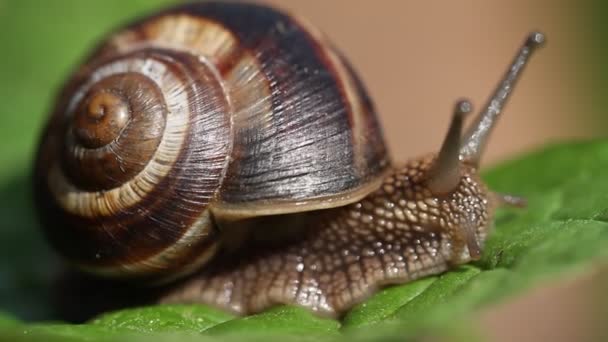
(399, 233)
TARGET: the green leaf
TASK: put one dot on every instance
(7, 320)
(165, 318)
(281, 320)
(385, 303)
(562, 234)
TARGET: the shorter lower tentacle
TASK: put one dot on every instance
(510, 200)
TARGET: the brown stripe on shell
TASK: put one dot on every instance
(163, 216)
(182, 257)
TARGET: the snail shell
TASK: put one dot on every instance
(201, 113)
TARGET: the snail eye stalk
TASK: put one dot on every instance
(476, 138)
(445, 174)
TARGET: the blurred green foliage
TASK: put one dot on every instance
(563, 231)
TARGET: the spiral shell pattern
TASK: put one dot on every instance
(136, 202)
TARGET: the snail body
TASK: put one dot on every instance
(193, 133)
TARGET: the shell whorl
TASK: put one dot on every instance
(202, 110)
(129, 192)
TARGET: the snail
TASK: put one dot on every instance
(230, 151)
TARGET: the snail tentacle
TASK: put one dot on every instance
(446, 171)
(476, 137)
